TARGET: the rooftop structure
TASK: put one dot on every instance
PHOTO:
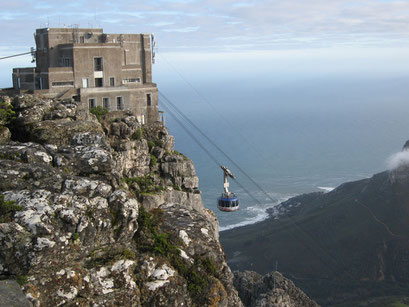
(94, 68)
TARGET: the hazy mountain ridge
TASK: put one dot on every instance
(342, 246)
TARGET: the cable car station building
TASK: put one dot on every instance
(94, 68)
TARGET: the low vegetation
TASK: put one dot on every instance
(143, 185)
(180, 154)
(7, 113)
(138, 134)
(22, 280)
(106, 256)
(153, 161)
(151, 239)
(99, 112)
(7, 210)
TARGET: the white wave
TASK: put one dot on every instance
(326, 189)
(260, 215)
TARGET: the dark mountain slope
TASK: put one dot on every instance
(343, 246)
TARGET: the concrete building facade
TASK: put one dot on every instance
(94, 68)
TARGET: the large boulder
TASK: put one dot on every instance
(271, 290)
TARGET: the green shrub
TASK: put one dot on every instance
(7, 113)
(159, 143)
(196, 282)
(99, 112)
(208, 265)
(180, 154)
(151, 144)
(128, 254)
(145, 183)
(7, 210)
(106, 256)
(149, 221)
(153, 162)
(22, 280)
(138, 134)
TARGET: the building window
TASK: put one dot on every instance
(85, 83)
(105, 103)
(99, 82)
(112, 81)
(131, 80)
(65, 62)
(119, 103)
(62, 83)
(92, 103)
(82, 39)
(149, 99)
(98, 65)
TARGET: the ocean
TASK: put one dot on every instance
(291, 137)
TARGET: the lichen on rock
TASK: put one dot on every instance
(89, 233)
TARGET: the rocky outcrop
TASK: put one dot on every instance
(269, 290)
(104, 213)
(11, 295)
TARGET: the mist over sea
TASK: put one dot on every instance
(290, 136)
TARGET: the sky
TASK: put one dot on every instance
(194, 33)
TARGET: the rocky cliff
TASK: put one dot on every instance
(270, 290)
(104, 212)
(99, 210)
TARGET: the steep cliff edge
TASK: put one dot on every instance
(104, 213)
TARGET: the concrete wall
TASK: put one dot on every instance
(84, 55)
(133, 99)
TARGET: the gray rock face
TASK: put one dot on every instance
(270, 290)
(11, 295)
(75, 223)
(4, 134)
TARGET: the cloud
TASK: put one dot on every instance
(183, 30)
(255, 25)
(398, 159)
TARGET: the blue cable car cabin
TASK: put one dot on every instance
(228, 202)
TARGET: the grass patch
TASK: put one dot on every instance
(7, 114)
(138, 134)
(75, 236)
(10, 156)
(145, 185)
(22, 280)
(99, 112)
(7, 210)
(159, 143)
(108, 255)
(180, 154)
(151, 144)
(153, 161)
